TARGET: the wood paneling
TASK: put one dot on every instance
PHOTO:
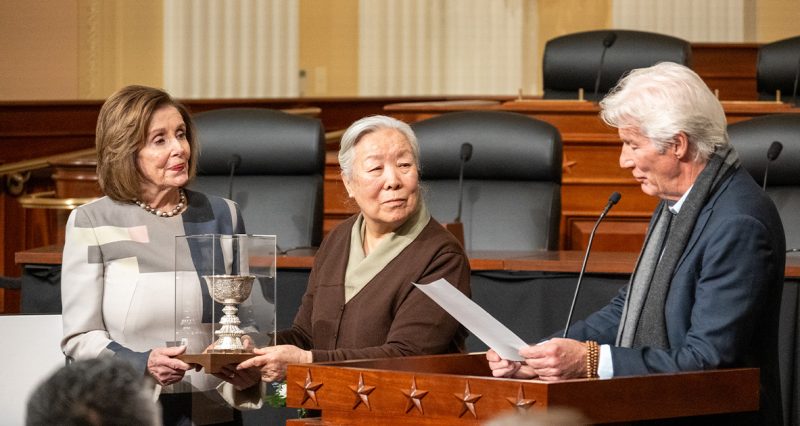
(612, 235)
(729, 68)
(591, 165)
(380, 391)
(9, 301)
(35, 129)
(600, 262)
(47, 128)
(25, 228)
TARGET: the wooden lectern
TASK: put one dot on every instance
(459, 389)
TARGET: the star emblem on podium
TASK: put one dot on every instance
(362, 392)
(414, 396)
(468, 400)
(520, 402)
(309, 388)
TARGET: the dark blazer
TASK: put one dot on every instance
(724, 298)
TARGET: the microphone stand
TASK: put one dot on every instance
(466, 154)
(608, 41)
(612, 200)
(234, 162)
(456, 227)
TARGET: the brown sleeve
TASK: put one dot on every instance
(301, 333)
(420, 326)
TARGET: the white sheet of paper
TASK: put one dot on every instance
(484, 326)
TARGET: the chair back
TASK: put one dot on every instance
(572, 61)
(278, 180)
(512, 183)
(752, 139)
(778, 68)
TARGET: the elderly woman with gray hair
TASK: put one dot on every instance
(360, 301)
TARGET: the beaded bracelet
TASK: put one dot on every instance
(592, 358)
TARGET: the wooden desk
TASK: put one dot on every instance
(51, 255)
(530, 292)
(542, 261)
(304, 259)
(47, 128)
(590, 165)
(460, 390)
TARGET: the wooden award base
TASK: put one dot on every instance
(213, 362)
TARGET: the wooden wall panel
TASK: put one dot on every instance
(26, 228)
(593, 162)
(729, 68)
(591, 165)
(31, 130)
(591, 149)
(613, 234)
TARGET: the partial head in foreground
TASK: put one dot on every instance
(98, 391)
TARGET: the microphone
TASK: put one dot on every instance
(466, 154)
(612, 200)
(608, 41)
(234, 163)
(456, 227)
(773, 152)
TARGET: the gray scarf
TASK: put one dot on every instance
(642, 323)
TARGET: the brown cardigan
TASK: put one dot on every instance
(389, 317)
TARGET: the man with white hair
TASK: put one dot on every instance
(706, 290)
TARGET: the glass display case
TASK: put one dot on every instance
(224, 297)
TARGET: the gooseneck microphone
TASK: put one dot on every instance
(773, 152)
(234, 163)
(612, 200)
(466, 154)
(608, 41)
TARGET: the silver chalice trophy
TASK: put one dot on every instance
(224, 291)
(230, 290)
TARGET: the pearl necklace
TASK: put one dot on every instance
(159, 213)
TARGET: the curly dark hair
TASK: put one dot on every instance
(93, 392)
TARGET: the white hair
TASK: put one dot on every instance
(365, 126)
(664, 100)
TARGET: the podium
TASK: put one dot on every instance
(460, 389)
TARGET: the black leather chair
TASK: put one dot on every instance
(512, 183)
(278, 179)
(571, 62)
(752, 138)
(778, 68)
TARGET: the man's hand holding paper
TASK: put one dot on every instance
(475, 319)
